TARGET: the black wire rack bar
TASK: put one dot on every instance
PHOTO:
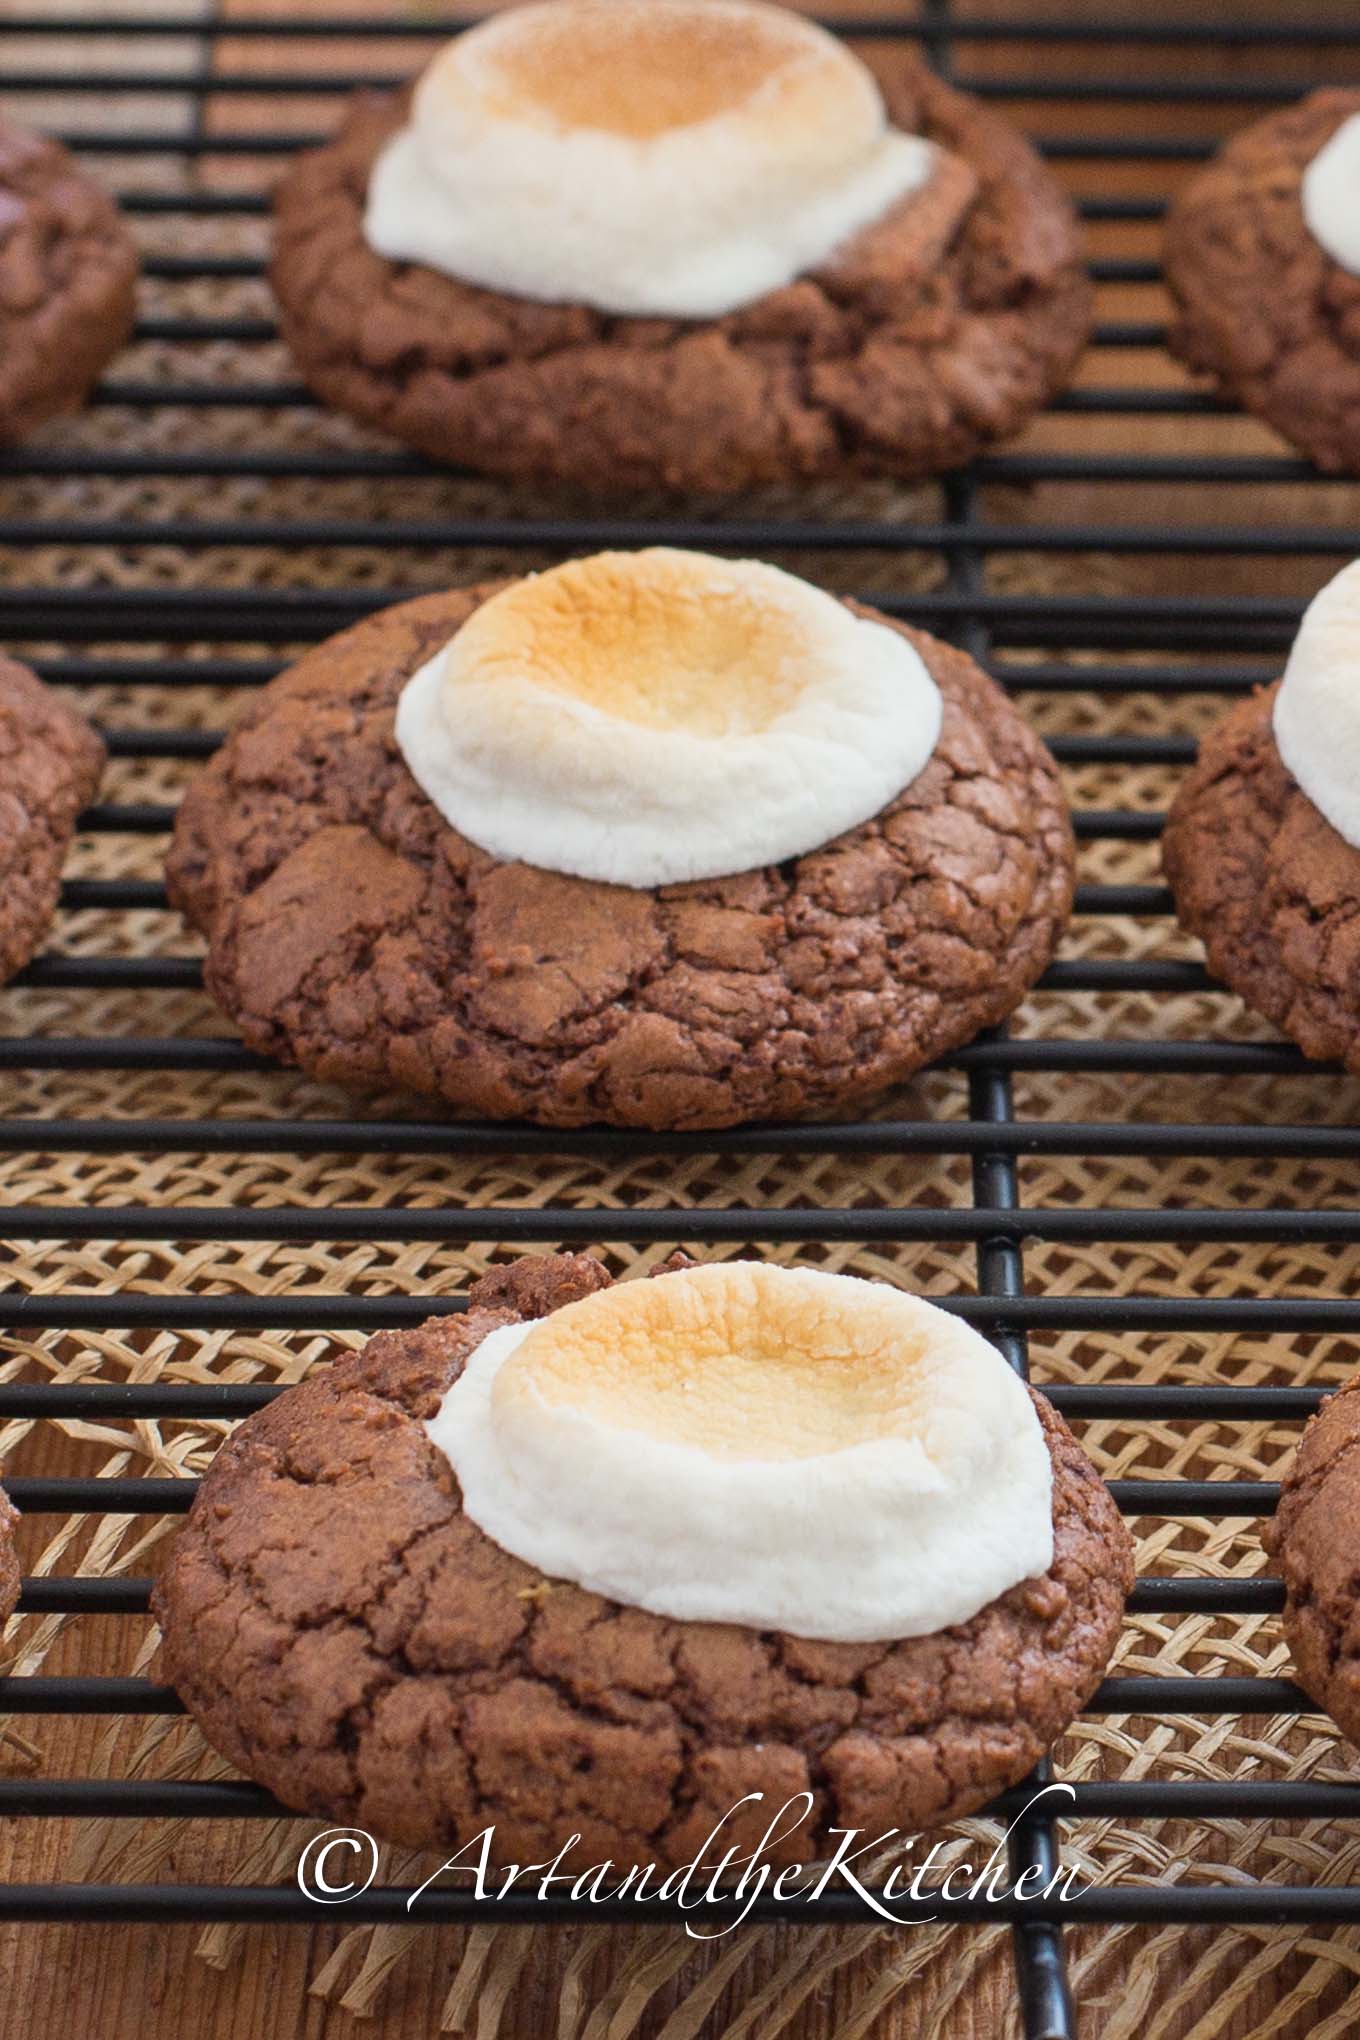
(1130, 1694)
(62, 1594)
(68, 1311)
(1122, 27)
(1247, 469)
(1070, 644)
(1107, 1400)
(1176, 1904)
(567, 1226)
(593, 536)
(295, 397)
(1182, 677)
(270, 143)
(291, 615)
(1260, 93)
(1067, 750)
(246, 204)
(249, 331)
(1181, 1058)
(151, 1495)
(1127, 1695)
(138, 892)
(1185, 1799)
(183, 973)
(229, 1799)
(887, 1136)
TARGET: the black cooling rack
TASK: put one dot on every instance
(1189, 644)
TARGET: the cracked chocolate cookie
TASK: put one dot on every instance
(68, 274)
(1313, 1542)
(1263, 305)
(9, 1559)
(1268, 886)
(939, 324)
(343, 1631)
(1262, 844)
(352, 930)
(50, 763)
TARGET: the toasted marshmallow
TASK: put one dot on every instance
(1330, 196)
(747, 1443)
(672, 158)
(1317, 710)
(644, 718)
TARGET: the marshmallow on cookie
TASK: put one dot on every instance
(1330, 196)
(741, 1442)
(1317, 708)
(652, 717)
(666, 158)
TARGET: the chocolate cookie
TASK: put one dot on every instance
(344, 1634)
(352, 931)
(934, 332)
(1313, 1542)
(1265, 881)
(50, 762)
(9, 1558)
(1262, 306)
(68, 274)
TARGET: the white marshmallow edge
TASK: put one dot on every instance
(921, 1508)
(644, 719)
(676, 158)
(1330, 195)
(1317, 708)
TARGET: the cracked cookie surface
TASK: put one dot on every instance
(1313, 1542)
(352, 931)
(1261, 305)
(68, 274)
(50, 763)
(1264, 880)
(9, 1558)
(941, 328)
(347, 1637)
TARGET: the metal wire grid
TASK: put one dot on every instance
(965, 608)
